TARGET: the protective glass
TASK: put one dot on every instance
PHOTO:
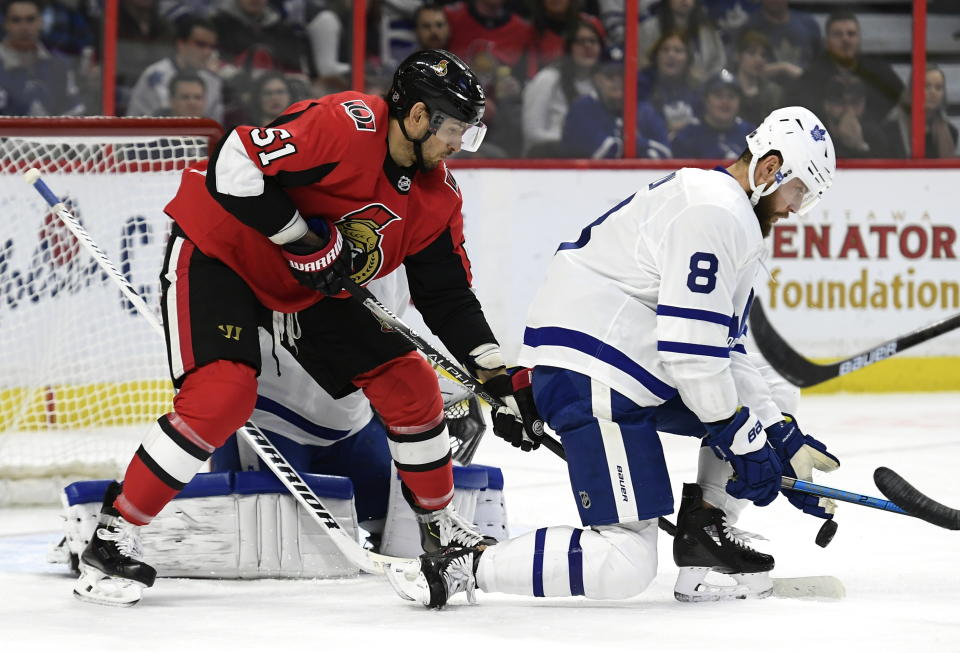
(456, 133)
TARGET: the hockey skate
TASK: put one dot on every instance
(435, 577)
(440, 528)
(705, 542)
(110, 571)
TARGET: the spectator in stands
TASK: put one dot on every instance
(324, 28)
(187, 93)
(68, 29)
(940, 140)
(593, 127)
(142, 38)
(254, 35)
(548, 96)
(196, 48)
(844, 108)
(431, 28)
(687, 17)
(882, 86)
(553, 21)
(488, 27)
(793, 35)
(759, 95)
(730, 16)
(668, 85)
(721, 131)
(34, 81)
(271, 96)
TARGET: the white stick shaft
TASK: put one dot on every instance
(291, 479)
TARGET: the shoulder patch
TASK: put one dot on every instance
(363, 118)
(449, 180)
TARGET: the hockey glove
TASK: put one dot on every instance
(518, 422)
(740, 440)
(800, 455)
(321, 259)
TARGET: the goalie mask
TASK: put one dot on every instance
(805, 147)
(451, 91)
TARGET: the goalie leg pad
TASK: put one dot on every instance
(229, 525)
(607, 562)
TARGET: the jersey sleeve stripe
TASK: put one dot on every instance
(690, 348)
(740, 349)
(694, 314)
(587, 344)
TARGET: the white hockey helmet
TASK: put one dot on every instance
(807, 152)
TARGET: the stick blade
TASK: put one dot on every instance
(809, 587)
(915, 502)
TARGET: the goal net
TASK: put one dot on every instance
(81, 374)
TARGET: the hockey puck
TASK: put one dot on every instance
(826, 532)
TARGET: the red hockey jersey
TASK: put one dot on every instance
(330, 158)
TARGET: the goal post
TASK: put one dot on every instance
(81, 374)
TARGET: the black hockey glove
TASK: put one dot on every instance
(800, 455)
(321, 259)
(518, 422)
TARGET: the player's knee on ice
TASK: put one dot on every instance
(611, 562)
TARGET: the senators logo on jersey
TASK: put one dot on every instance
(363, 230)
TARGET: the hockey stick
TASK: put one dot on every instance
(915, 502)
(804, 373)
(368, 561)
(390, 321)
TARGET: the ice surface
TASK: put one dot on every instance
(902, 575)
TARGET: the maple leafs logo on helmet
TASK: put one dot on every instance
(818, 133)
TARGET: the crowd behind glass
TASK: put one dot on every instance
(709, 70)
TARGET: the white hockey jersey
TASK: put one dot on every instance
(292, 404)
(652, 298)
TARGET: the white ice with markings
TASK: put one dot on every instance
(902, 575)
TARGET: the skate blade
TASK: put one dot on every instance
(403, 578)
(94, 586)
(809, 587)
(692, 586)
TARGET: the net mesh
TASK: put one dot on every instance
(82, 373)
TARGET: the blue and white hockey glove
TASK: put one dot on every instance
(800, 455)
(740, 440)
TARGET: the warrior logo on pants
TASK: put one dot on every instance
(363, 231)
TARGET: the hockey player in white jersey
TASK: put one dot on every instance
(639, 327)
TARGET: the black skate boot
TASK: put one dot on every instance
(435, 577)
(440, 528)
(703, 543)
(110, 572)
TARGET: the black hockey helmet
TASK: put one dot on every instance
(448, 87)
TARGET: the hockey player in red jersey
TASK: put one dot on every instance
(348, 184)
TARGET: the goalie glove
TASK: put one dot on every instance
(800, 455)
(321, 259)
